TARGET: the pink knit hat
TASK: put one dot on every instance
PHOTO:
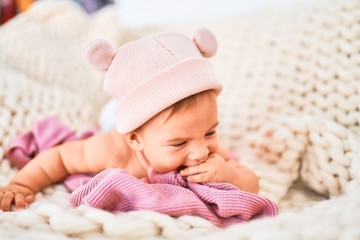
(148, 75)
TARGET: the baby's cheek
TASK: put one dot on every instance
(167, 165)
(214, 146)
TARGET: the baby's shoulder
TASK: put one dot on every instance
(108, 145)
(106, 140)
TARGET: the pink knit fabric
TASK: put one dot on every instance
(221, 203)
(44, 135)
(150, 74)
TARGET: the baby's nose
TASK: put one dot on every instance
(199, 155)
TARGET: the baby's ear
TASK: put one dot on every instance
(99, 54)
(135, 141)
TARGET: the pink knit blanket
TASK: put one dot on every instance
(116, 191)
(44, 135)
(223, 204)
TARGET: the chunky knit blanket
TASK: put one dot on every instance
(290, 109)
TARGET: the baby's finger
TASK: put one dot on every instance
(29, 199)
(1, 195)
(19, 201)
(192, 170)
(199, 178)
(6, 201)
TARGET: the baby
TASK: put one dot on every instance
(166, 119)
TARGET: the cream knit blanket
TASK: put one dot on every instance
(290, 109)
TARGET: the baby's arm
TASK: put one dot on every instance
(52, 166)
(220, 167)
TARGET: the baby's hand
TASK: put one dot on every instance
(19, 195)
(214, 169)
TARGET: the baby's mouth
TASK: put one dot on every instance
(180, 168)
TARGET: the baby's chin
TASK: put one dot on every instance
(164, 171)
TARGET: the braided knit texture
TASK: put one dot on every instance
(290, 109)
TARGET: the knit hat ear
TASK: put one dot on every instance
(205, 42)
(99, 54)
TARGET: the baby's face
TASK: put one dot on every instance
(184, 139)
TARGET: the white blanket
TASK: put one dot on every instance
(290, 109)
